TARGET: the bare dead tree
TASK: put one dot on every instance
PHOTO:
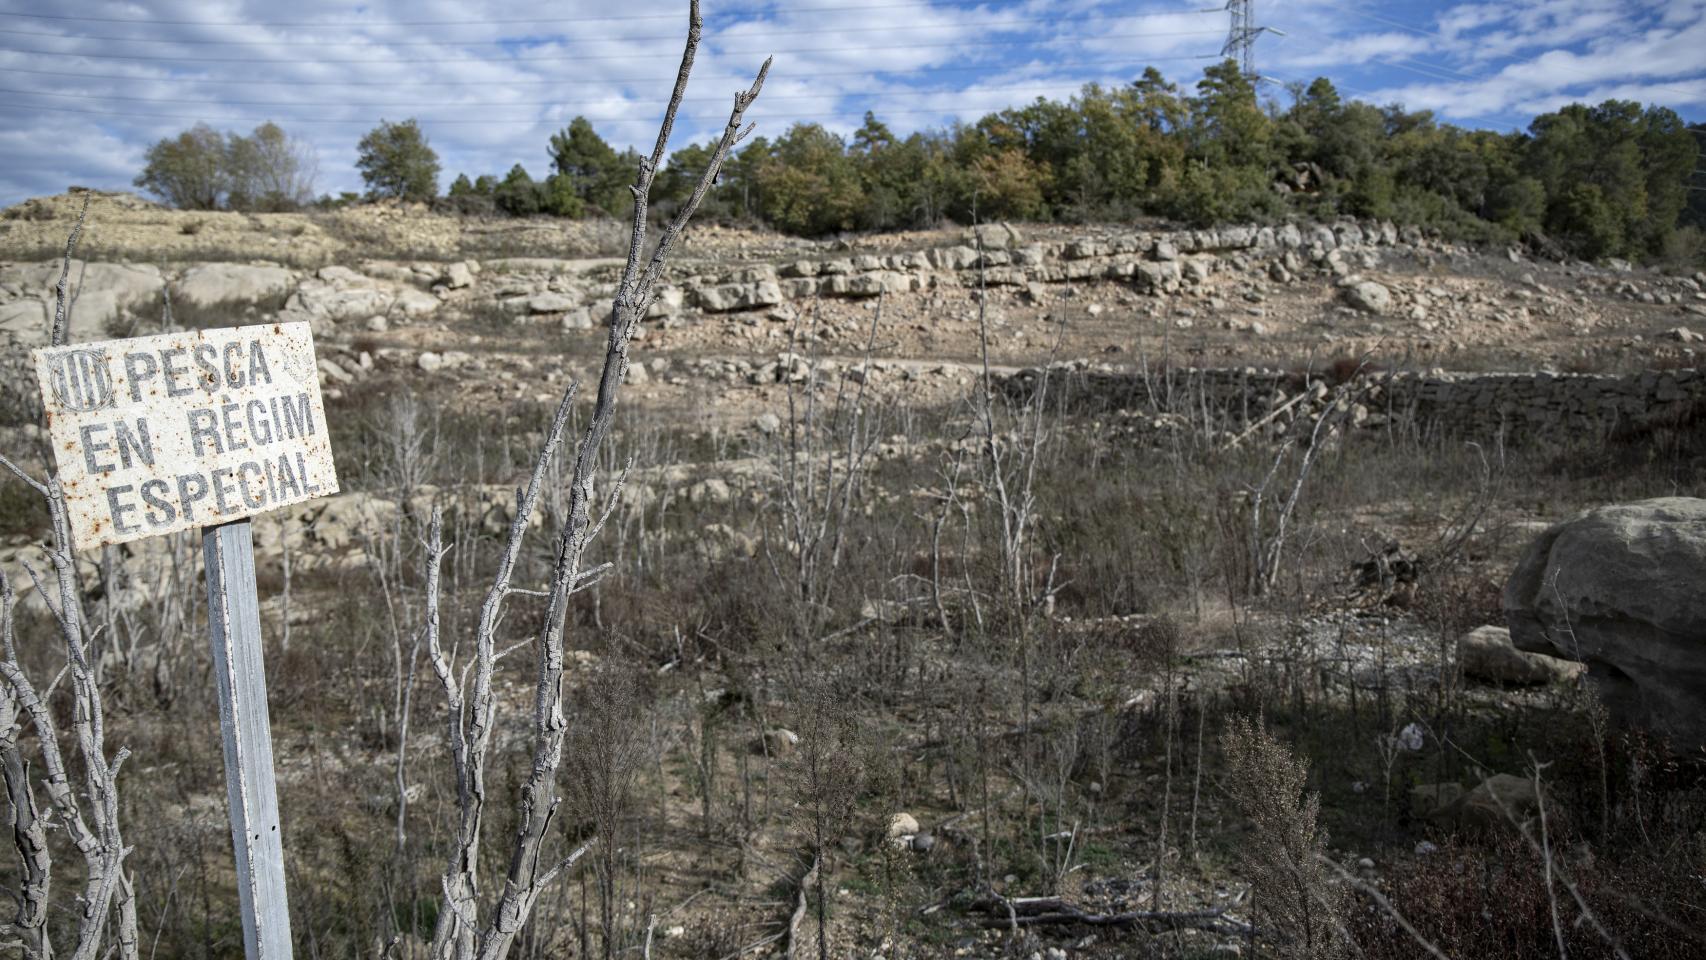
(820, 464)
(1010, 457)
(1271, 504)
(86, 811)
(468, 929)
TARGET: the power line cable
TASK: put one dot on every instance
(653, 77)
(625, 117)
(1017, 41)
(1072, 85)
(512, 41)
(791, 9)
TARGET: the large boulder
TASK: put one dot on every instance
(1502, 800)
(339, 293)
(879, 282)
(459, 275)
(1620, 588)
(212, 283)
(99, 291)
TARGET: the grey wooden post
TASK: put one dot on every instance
(234, 620)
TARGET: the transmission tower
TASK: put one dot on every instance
(1241, 36)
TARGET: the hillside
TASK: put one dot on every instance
(1017, 518)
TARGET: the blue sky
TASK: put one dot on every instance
(87, 85)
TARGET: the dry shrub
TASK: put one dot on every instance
(1457, 600)
(1490, 899)
(1298, 903)
(604, 752)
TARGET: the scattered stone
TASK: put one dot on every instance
(709, 490)
(1486, 653)
(550, 302)
(902, 825)
(1368, 296)
(330, 370)
(780, 743)
(459, 275)
(1502, 799)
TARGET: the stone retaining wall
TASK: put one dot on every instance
(1153, 261)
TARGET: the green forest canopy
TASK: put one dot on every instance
(1613, 180)
(1595, 181)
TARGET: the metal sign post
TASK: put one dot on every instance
(234, 620)
(202, 429)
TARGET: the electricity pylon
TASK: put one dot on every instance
(1241, 37)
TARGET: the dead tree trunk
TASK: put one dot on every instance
(87, 810)
(462, 933)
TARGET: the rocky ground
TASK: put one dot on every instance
(739, 304)
(487, 321)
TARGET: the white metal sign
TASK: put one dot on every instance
(163, 433)
(202, 429)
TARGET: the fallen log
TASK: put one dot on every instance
(1046, 911)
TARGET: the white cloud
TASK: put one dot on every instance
(491, 81)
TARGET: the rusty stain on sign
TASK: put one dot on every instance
(156, 434)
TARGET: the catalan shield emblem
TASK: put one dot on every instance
(80, 380)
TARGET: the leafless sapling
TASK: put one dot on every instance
(468, 929)
(826, 775)
(86, 809)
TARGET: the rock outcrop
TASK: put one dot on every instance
(1622, 588)
(101, 291)
(211, 283)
